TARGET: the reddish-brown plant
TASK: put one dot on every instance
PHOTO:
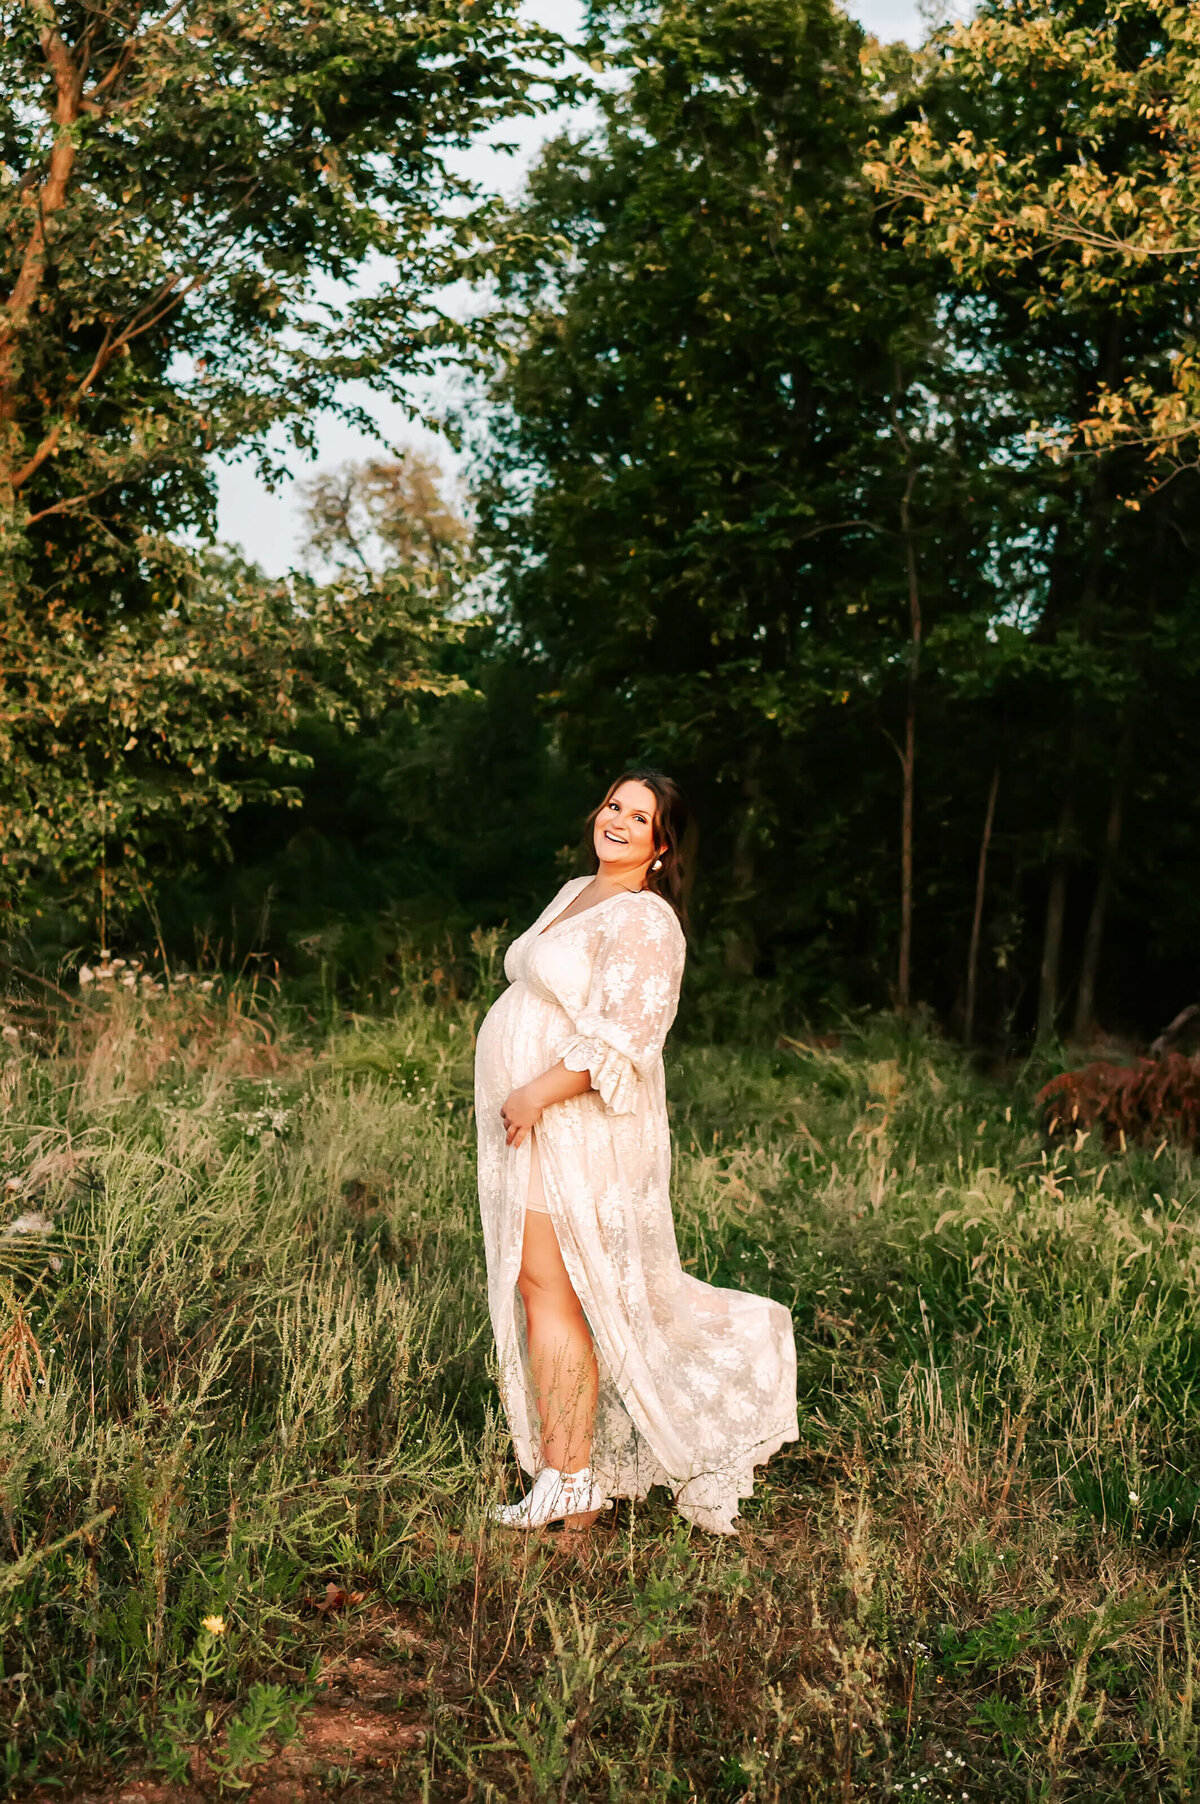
(1147, 1100)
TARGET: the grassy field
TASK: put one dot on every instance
(244, 1380)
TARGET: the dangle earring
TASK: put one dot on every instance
(657, 865)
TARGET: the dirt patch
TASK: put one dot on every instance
(368, 1716)
(331, 1733)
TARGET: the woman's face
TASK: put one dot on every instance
(624, 830)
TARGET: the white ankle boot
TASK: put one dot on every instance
(566, 1497)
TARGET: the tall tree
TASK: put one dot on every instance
(698, 515)
(386, 515)
(1039, 173)
(186, 184)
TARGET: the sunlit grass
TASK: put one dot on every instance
(244, 1365)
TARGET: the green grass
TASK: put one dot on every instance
(251, 1360)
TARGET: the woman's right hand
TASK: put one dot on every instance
(520, 1112)
(522, 1108)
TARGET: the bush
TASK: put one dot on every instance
(1144, 1101)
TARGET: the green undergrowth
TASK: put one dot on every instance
(245, 1358)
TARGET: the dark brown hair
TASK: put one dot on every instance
(670, 832)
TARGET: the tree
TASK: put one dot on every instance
(185, 184)
(695, 507)
(386, 515)
(444, 812)
(1042, 127)
(1102, 199)
(125, 755)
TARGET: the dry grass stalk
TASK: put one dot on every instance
(22, 1367)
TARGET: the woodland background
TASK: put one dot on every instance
(832, 409)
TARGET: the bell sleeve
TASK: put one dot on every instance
(631, 1002)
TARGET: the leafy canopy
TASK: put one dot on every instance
(1099, 206)
(187, 189)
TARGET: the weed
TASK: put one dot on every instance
(248, 1432)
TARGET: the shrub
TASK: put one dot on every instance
(1144, 1101)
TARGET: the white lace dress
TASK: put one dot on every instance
(697, 1385)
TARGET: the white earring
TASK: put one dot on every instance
(657, 865)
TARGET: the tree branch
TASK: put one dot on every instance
(90, 102)
(109, 349)
(1060, 225)
(68, 83)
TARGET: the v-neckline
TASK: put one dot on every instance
(561, 916)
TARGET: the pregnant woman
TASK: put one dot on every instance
(618, 1370)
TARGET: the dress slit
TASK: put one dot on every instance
(535, 1195)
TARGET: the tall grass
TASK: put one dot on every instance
(244, 1380)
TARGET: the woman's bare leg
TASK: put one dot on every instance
(561, 1354)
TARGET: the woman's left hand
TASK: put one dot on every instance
(520, 1114)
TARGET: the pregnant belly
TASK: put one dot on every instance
(521, 1036)
(491, 1042)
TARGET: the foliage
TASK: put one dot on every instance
(266, 1372)
(441, 811)
(184, 190)
(760, 493)
(125, 753)
(1058, 94)
(1143, 1101)
(374, 517)
(1105, 209)
(178, 181)
(696, 539)
(766, 507)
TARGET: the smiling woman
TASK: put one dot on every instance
(618, 1369)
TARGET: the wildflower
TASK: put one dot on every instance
(214, 1624)
(1135, 1498)
(86, 975)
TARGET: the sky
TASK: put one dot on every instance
(265, 524)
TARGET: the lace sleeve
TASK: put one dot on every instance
(631, 1002)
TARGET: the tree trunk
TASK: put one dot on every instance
(909, 757)
(1056, 897)
(1085, 1006)
(741, 945)
(1085, 1002)
(43, 202)
(1056, 912)
(977, 918)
